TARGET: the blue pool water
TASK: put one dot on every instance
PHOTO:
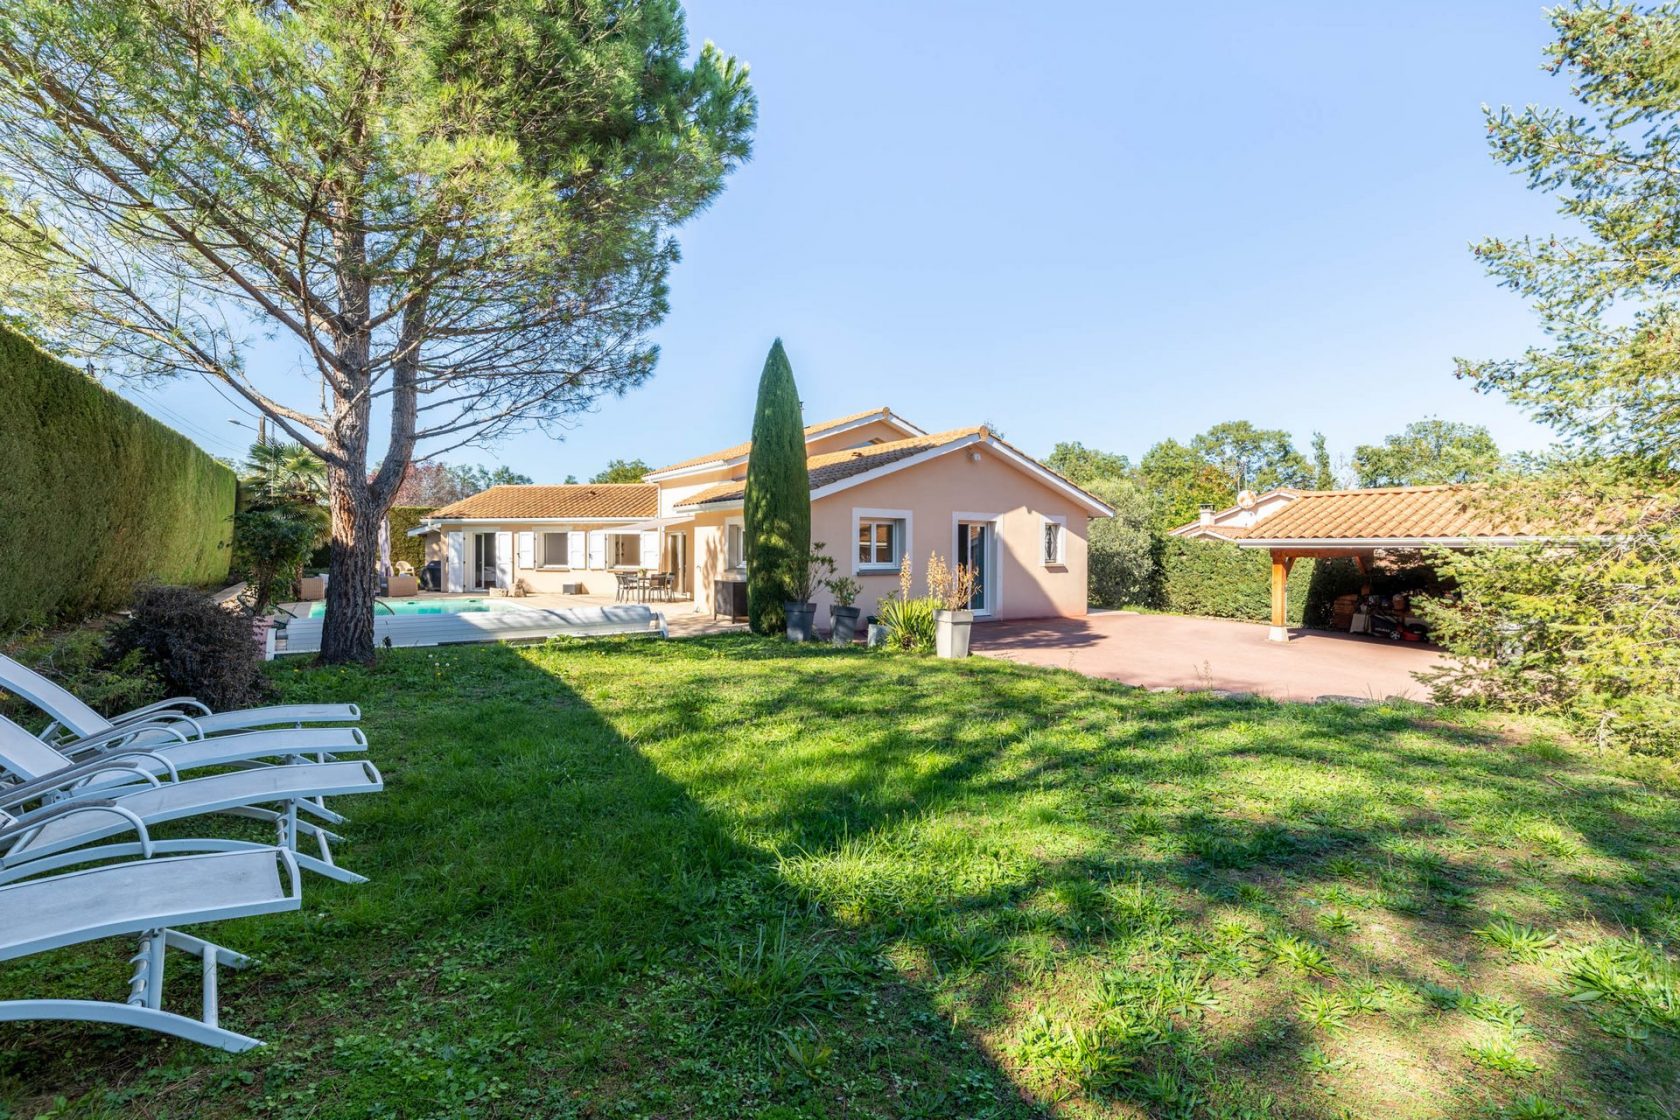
(420, 606)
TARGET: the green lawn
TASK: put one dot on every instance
(724, 878)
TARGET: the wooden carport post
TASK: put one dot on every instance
(1281, 563)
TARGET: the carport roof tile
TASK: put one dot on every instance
(1402, 513)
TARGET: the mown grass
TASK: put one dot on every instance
(726, 878)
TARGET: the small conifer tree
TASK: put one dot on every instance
(778, 494)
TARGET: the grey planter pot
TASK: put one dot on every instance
(846, 625)
(801, 621)
(951, 631)
(877, 635)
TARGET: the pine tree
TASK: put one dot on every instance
(778, 494)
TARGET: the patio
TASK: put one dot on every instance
(1210, 654)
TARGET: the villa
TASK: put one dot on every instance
(882, 489)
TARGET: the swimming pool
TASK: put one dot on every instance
(425, 606)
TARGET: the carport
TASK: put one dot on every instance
(1355, 525)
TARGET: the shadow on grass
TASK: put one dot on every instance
(553, 928)
(725, 878)
(998, 827)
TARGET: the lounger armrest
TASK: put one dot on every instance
(118, 738)
(185, 705)
(61, 780)
(19, 829)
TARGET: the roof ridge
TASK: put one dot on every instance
(1430, 488)
(735, 450)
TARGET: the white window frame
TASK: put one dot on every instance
(1060, 559)
(735, 523)
(906, 520)
(543, 564)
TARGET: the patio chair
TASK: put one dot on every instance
(27, 758)
(627, 587)
(81, 721)
(148, 897)
(46, 837)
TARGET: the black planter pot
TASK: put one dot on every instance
(801, 621)
(846, 624)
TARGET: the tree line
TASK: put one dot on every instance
(1176, 479)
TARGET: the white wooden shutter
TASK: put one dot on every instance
(576, 550)
(504, 559)
(597, 549)
(455, 568)
(650, 549)
(527, 551)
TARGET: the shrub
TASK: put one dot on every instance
(910, 624)
(1587, 629)
(103, 495)
(79, 661)
(269, 545)
(1122, 550)
(806, 572)
(196, 647)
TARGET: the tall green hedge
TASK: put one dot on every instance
(403, 546)
(95, 495)
(1224, 581)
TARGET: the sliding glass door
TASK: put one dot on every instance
(976, 546)
(484, 561)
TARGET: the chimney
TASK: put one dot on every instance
(1204, 516)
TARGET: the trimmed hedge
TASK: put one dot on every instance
(403, 546)
(97, 496)
(1224, 581)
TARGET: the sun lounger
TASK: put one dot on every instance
(148, 897)
(44, 838)
(27, 758)
(72, 716)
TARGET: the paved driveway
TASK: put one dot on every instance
(1171, 651)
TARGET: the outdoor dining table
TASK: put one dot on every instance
(651, 586)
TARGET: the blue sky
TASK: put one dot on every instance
(1104, 222)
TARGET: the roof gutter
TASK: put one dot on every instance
(1400, 542)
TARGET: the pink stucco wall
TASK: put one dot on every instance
(932, 495)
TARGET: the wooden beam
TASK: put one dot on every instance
(1362, 561)
(1281, 563)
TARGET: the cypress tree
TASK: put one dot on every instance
(778, 494)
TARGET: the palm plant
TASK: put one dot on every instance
(284, 474)
(284, 516)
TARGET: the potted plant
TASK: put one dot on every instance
(844, 615)
(804, 575)
(952, 590)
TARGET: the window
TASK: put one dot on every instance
(880, 542)
(1055, 531)
(735, 546)
(554, 550)
(624, 550)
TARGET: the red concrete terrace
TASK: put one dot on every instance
(1172, 651)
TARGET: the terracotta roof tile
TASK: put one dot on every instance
(837, 465)
(1387, 513)
(741, 449)
(628, 499)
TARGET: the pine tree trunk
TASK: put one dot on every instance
(353, 576)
